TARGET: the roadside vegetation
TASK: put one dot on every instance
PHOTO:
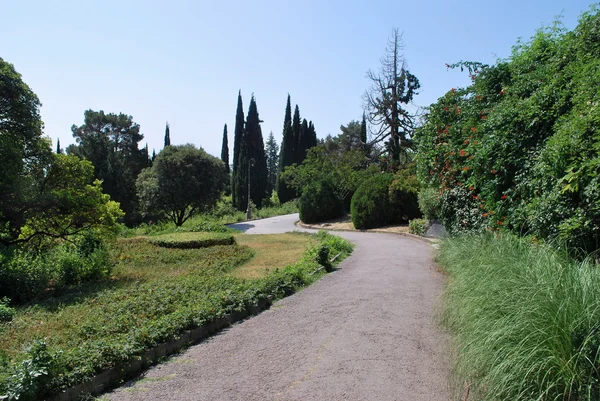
(510, 165)
(152, 295)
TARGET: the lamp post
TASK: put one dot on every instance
(249, 210)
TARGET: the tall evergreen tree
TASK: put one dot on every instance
(225, 150)
(286, 155)
(312, 136)
(238, 133)
(363, 129)
(303, 142)
(272, 154)
(167, 136)
(296, 131)
(153, 154)
(251, 147)
(59, 150)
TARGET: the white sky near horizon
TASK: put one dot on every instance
(184, 61)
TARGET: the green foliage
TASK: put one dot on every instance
(286, 155)
(182, 181)
(225, 150)
(460, 212)
(118, 323)
(29, 380)
(238, 133)
(110, 142)
(26, 276)
(272, 155)
(430, 203)
(525, 319)
(6, 311)
(523, 138)
(418, 226)
(319, 202)
(370, 206)
(190, 240)
(385, 199)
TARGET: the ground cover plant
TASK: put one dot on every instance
(153, 295)
(191, 240)
(524, 319)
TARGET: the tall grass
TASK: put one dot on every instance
(525, 319)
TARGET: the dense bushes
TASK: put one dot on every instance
(525, 320)
(430, 203)
(523, 139)
(385, 199)
(25, 276)
(319, 202)
(192, 240)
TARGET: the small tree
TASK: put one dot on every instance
(272, 153)
(167, 136)
(225, 150)
(182, 181)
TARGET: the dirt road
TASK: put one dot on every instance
(364, 332)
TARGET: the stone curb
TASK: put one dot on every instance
(431, 241)
(112, 377)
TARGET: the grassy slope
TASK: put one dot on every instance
(525, 320)
(154, 294)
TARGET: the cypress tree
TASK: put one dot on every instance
(284, 192)
(237, 140)
(312, 136)
(272, 154)
(303, 142)
(167, 136)
(255, 149)
(363, 130)
(153, 154)
(59, 151)
(225, 150)
(296, 131)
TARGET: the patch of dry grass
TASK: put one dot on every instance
(271, 251)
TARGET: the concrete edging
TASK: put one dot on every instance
(430, 241)
(112, 377)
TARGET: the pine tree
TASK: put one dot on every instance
(286, 155)
(225, 150)
(237, 140)
(272, 153)
(167, 136)
(251, 147)
(59, 150)
(296, 131)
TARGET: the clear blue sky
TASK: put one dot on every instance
(184, 61)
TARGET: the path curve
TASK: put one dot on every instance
(363, 332)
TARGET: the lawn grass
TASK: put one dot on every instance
(525, 320)
(153, 295)
(271, 251)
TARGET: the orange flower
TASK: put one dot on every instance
(493, 171)
(471, 157)
(446, 109)
(484, 117)
(462, 152)
(457, 110)
(503, 197)
(466, 141)
(485, 215)
(475, 197)
(471, 187)
(473, 129)
(466, 168)
(478, 97)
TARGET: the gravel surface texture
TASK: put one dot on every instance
(363, 332)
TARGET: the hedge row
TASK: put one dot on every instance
(191, 240)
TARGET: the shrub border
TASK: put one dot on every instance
(114, 376)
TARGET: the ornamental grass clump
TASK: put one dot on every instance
(525, 319)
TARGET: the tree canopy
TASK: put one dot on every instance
(182, 181)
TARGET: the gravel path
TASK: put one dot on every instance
(364, 332)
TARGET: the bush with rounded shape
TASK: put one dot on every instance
(385, 199)
(319, 202)
(430, 203)
(370, 205)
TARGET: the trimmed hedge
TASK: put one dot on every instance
(192, 240)
(319, 202)
(384, 199)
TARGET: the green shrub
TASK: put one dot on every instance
(319, 202)
(430, 203)
(417, 226)
(192, 240)
(6, 311)
(524, 318)
(24, 276)
(385, 199)
(460, 212)
(370, 205)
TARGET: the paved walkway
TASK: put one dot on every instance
(364, 332)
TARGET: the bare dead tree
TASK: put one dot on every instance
(392, 88)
